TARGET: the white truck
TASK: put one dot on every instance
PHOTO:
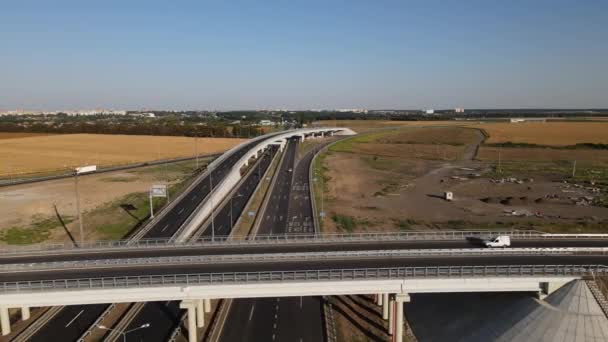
(499, 241)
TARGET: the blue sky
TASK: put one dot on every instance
(303, 54)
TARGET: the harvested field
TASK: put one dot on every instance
(51, 153)
(446, 143)
(11, 135)
(431, 135)
(362, 126)
(543, 154)
(549, 133)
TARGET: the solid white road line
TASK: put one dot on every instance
(251, 312)
(73, 319)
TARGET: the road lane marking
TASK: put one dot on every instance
(180, 211)
(165, 227)
(251, 312)
(73, 319)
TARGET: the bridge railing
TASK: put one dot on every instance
(294, 238)
(354, 274)
(88, 264)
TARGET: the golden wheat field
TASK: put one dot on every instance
(547, 133)
(11, 135)
(50, 153)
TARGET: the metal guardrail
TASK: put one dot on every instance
(354, 274)
(223, 241)
(297, 256)
(97, 322)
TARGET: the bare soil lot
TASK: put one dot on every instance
(112, 204)
(372, 183)
(49, 153)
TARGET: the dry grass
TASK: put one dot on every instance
(431, 135)
(50, 153)
(10, 135)
(549, 133)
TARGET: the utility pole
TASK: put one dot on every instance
(78, 208)
(499, 167)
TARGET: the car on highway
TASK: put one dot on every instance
(499, 241)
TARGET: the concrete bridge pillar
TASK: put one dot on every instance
(385, 306)
(191, 307)
(207, 302)
(399, 300)
(25, 313)
(200, 314)
(379, 299)
(391, 315)
(5, 321)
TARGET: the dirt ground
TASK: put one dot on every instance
(33, 205)
(384, 186)
(36, 154)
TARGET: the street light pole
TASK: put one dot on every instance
(78, 208)
(212, 205)
(124, 333)
(196, 150)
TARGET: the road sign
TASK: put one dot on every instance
(86, 169)
(159, 190)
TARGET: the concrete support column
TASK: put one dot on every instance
(399, 300)
(25, 313)
(5, 321)
(379, 299)
(391, 316)
(385, 306)
(191, 307)
(207, 303)
(200, 314)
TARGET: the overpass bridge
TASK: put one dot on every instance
(394, 274)
(179, 212)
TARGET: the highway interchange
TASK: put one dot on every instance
(72, 321)
(288, 211)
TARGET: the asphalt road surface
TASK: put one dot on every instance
(83, 316)
(274, 217)
(300, 247)
(289, 210)
(311, 264)
(163, 317)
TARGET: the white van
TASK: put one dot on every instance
(499, 241)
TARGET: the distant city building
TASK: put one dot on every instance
(459, 110)
(364, 111)
(518, 120)
(266, 123)
(429, 111)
